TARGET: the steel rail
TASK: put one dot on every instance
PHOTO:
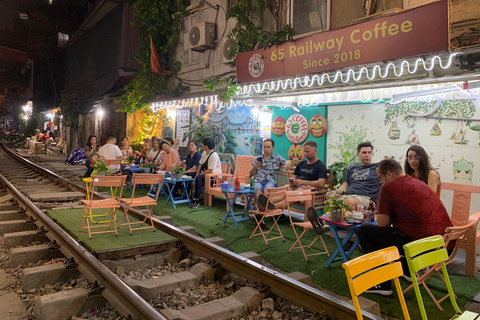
(292, 290)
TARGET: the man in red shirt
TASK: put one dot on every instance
(407, 210)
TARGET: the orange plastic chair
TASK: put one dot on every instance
(111, 203)
(372, 269)
(141, 179)
(296, 196)
(275, 214)
(458, 234)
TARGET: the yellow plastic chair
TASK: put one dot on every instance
(423, 253)
(111, 203)
(297, 196)
(372, 269)
(141, 179)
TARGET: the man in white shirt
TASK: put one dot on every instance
(209, 163)
(110, 151)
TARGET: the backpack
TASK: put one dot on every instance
(76, 155)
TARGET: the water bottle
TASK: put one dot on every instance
(141, 162)
(252, 183)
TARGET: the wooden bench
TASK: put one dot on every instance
(214, 180)
(462, 195)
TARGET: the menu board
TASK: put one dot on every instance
(182, 119)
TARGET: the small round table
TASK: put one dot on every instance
(248, 204)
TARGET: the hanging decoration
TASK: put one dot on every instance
(278, 126)
(295, 154)
(413, 137)
(318, 126)
(296, 128)
(394, 131)
(436, 131)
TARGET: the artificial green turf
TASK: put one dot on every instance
(71, 220)
(208, 222)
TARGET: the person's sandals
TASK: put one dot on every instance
(263, 201)
(313, 218)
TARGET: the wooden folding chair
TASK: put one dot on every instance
(372, 269)
(275, 214)
(305, 196)
(111, 203)
(458, 234)
(426, 252)
(127, 203)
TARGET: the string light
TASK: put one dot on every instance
(343, 76)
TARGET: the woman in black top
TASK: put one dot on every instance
(90, 150)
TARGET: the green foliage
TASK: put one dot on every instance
(225, 141)
(462, 108)
(248, 36)
(69, 108)
(213, 83)
(350, 141)
(338, 168)
(161, 20)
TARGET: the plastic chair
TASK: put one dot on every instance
(452, 234)
(295, 196)
(269, 213)
(372, 269)
(127, 203)
(111, 203)
(426, 252)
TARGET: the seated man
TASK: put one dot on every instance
(408, 210)
(361, 181)
(309, 172)
(209, 163)
(110, 151)
(264, 169)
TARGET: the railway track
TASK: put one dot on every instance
(123, 297)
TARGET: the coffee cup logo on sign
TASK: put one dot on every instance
(256, 65)
(296, 128)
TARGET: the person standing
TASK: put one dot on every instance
(91, 149)
(418, 166)
(407, 210)
(110, 151)
(209, 163)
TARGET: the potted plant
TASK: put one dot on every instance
(335, 204)
(338, 168)
(178, 170)
(99, 165)
(148, 165)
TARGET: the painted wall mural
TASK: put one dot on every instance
(452, 145)
(238, 131)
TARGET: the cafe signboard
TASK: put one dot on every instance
(418, 31)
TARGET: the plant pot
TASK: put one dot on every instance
(178, 176)
(147, 170)
(336, 215)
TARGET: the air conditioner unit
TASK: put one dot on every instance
(410, 4)
(201, 36)
(228, 56)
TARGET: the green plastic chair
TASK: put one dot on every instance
(423, 253)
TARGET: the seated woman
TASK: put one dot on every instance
(28, 142)
(156, 154)
(193, 159)
(91, 149)
(171, 158)
(125, 148)
(418, 166)
(147, 146)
